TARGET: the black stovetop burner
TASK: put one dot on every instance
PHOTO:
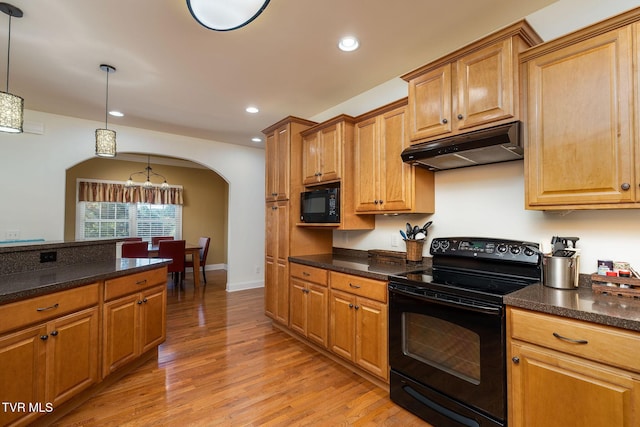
(483, 268)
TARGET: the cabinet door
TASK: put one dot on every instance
(580, 146)
(430, 104)
(271, 165)
(120, 335)
(484, 82)
(282, 311)
(310, 158)
(22, 371)
(342, 324)
(153, 315)
(395, 176)
(317, 314)
(367, 159)
(298, 306)
(371, 336)
(72, 355)
(550, 389)
(330, 153)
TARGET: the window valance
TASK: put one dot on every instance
(98, 191)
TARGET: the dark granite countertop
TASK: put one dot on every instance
(359, 265)
(581, 303)
(17, 286)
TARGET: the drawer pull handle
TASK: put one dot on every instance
(48, 308)
(354, 286)
(560, 337)
(304, 273)
(141, 282)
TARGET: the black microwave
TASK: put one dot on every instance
(320, 205)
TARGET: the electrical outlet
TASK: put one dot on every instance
(13, 234)
(48, 256)
(257, 269)
(395, 240)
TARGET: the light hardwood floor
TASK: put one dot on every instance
(223, 364)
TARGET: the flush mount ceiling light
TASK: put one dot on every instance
(348, 44)
(225, 15)
(11, 106)
(106, 138)
(252, 110)
(149, 173)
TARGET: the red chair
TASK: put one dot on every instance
(135, 250)
(173, 249)
(156, 239)
(203, 242)
(132, 239)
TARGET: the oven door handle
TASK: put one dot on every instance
(480, 308)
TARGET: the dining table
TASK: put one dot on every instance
(192, 249)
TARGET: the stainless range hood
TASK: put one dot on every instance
(493, 145)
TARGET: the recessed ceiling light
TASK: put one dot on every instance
(116, 113)
(252, 110)
(256, 139)
(348, 44)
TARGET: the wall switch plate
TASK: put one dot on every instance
(48, 256)
(395, 240)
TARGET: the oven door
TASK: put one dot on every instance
(451, 345)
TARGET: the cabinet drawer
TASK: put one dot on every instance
(45, 307)
(609, 345)
(309, 274)
(131, 283)
(362, 286)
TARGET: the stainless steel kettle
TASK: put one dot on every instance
(561, 269)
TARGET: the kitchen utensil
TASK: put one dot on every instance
(561, 271)
(415, 230)
(426, 226)
(403, 234)
(409, 231)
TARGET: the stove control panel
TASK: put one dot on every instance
(486, 248)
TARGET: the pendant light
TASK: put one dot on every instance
(106, 138)
(148, 171)
(225, 15)
(11, 106)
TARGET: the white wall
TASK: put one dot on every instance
(489, 200)
(32, 170)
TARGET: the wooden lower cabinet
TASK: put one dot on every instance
(132, 325)
(45, 365)
(358, 322)
(309, 301)
(555, 382)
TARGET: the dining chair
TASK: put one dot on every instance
(132, 239)
(173, 249)
(156, 239)
(203, 242)
(135, 250)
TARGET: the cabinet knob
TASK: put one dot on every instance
(54, 333)
(375, 202)
(515, 359)
(350, 305)
(625, 186)
(357, 307)
(445, 121)
(460, 117)
(381, 201)
(139, 302)
(145, 300)
(44, 337)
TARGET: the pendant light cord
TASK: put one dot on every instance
(8, 52)
(106, 107)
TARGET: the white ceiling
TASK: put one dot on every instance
(173, 75)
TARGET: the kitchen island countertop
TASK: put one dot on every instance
(18, 286)
(581, 304)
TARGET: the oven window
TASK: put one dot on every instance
(442, 344)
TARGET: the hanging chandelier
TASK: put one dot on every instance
(11, 106)
(148, 172)
(225, 15)
(106, 138)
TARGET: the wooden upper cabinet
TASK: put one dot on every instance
(383, 183)
(471, 88)
(579, 98)
(322, 151)
(278, 152)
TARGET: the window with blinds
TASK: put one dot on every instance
(108, 220)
